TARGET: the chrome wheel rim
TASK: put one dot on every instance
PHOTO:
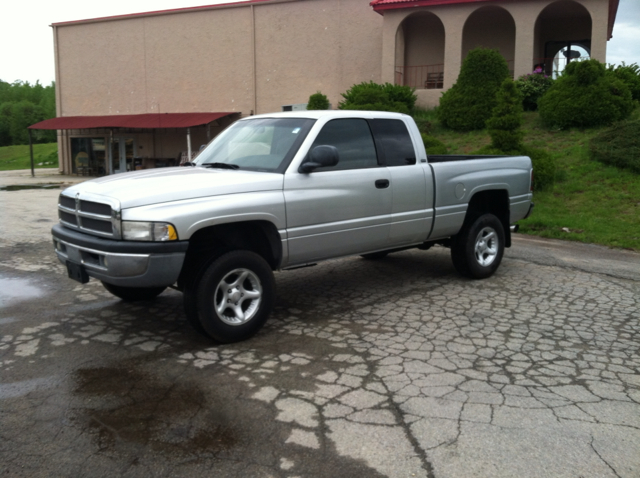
(238, 297)
(486, 248)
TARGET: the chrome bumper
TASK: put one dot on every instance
(126, 269)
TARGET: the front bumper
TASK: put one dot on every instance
(122, 263)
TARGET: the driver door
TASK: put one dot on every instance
(340, 210)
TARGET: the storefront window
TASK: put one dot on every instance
(88, 156)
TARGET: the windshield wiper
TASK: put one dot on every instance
(220, 165)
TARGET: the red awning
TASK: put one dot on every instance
(143, 121)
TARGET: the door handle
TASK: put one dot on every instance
(382, 183)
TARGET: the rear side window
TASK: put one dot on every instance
(352, 137)
(393, 136)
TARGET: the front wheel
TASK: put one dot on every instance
(132, 294)
(235, 295)
(478, 249)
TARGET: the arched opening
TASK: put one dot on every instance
(420, 52)
(490, 27)
(562, 34)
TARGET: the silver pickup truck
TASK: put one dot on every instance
(280, 191)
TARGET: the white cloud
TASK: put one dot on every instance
(624, 45)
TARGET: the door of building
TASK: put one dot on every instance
(122, 151)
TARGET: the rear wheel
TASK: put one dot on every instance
(131, 294)
(477, 250)
(234, 296)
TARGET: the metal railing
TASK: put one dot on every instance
(426, 77)
(430, 77)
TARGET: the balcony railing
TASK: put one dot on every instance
(430, 77)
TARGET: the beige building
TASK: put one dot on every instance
(116, 76)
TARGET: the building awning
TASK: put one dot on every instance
(143, 121)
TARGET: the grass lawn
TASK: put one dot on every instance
(590, 202)
(17, 157)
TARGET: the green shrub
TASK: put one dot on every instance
(584, 96)
(618, 146)
(505, 124)
(468, 103)
(533, 87)
(433, 145)
(318, 101)
(544, 167)
(629, 75)
(375, 97)
(425, 119)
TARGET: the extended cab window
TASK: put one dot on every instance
(353, 139)
(393, 136)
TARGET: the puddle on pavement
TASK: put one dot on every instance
(22, 187)
(16, 290)
(130, 408)
(138, 419)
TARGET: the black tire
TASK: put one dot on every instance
(189, 303)
(375, 256)
(244, 281)
(194, 272)
(132, 294)
(478, 248)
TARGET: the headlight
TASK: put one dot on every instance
(148, 231)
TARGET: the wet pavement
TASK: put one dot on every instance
(391, 368)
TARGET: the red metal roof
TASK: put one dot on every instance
(143, 121)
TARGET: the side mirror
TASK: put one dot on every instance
(320, 157)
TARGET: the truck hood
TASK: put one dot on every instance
(143, 188)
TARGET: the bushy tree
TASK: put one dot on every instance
(533, 87)
(629, 75)
(468, 103)
(585, 95)
(22, 105)
(505, 124)
(505, 129)
(376, 97)
(318, 101)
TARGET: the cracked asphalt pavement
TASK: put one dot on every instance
(390, 368)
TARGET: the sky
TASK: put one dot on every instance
(26, 39)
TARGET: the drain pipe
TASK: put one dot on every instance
(189, 143)
(33, 174)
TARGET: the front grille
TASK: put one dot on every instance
(67, 202)
(70, 219)
(96, 225)
(91, 217)
(95, 208)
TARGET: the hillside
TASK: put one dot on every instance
(590, 202)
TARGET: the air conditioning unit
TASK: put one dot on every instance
(296, 107)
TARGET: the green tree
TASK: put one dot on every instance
(318, 101)
(505, 124)
(533, 87)
(629, 75)
(376, 97)
(468, 103)
(585, 95)
(21, 105)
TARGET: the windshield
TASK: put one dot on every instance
(265, 144)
